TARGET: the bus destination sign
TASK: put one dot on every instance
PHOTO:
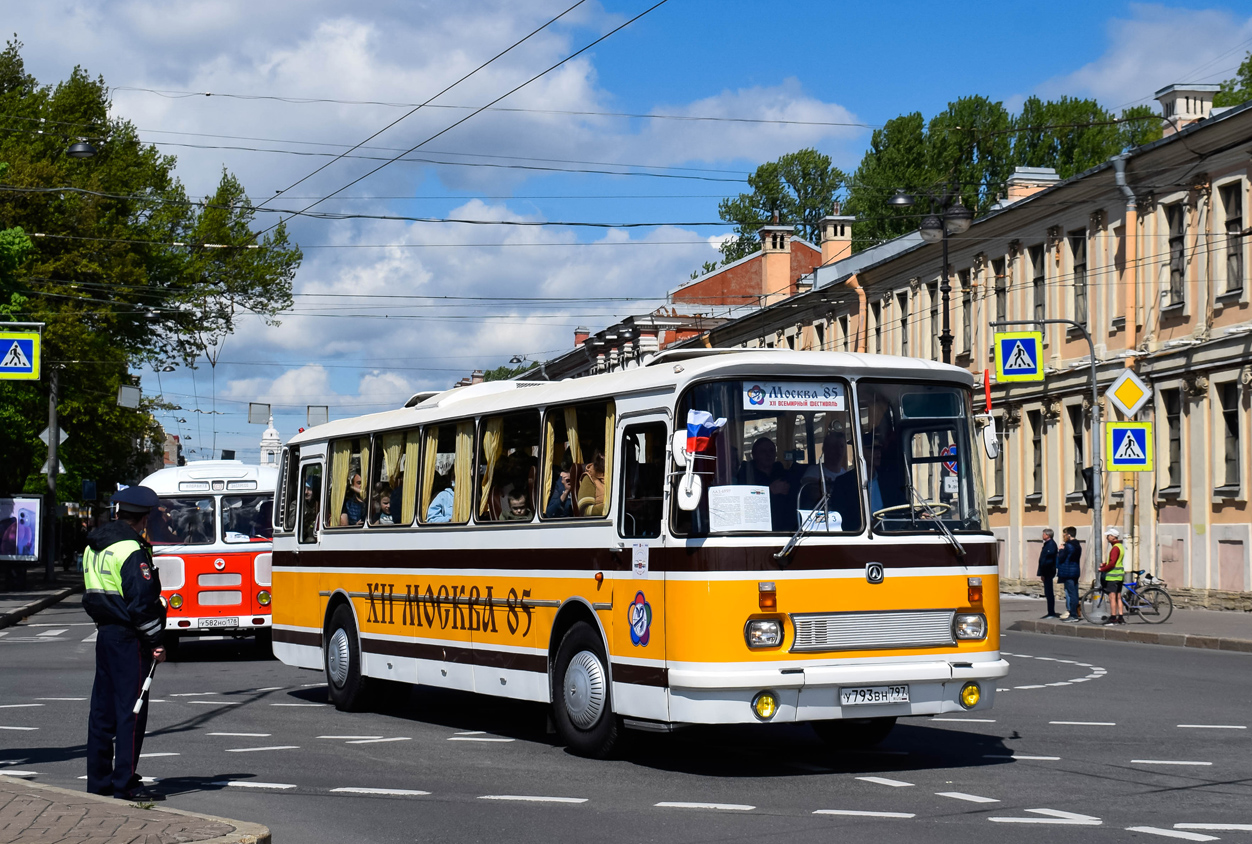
(793, 395)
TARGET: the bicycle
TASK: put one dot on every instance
(1145, 597)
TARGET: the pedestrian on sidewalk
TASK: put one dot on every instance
(1114, 571)
(1069, 570)
(123, 598)
(1047, 571)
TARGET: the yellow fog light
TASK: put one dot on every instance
(765, 705)
(263, 598)
(970, 695)
(176, 601)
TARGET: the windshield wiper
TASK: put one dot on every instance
(804, 529)
(947, 534)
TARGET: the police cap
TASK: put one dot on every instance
(135, 499)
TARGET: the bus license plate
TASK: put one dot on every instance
(219, 622)
(874, 694)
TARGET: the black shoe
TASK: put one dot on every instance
(1112, 619)
(140, 795)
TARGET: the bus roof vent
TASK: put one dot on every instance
(473, 391)
(687, 354)
(418, 398)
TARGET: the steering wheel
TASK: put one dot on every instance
(936, 507)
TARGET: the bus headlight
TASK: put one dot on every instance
(970, 695)
(763, 633)
(971, 626)
(765, 705)
(263, 598)
(176, 601)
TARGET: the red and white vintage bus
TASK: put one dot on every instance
(211, 536)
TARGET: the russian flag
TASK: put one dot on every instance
(700, 427)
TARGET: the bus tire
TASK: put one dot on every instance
(854, 733)
(582, 705)
(341, 656)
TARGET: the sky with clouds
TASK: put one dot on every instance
(607, 137)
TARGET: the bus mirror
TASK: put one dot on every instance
(679, 447)
(990, 442)
(690, 489)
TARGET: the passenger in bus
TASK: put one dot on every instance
(308, 527)
(161, 530)
(263, 525)
(834, 458)
(382, 505)
(765, 470)
(561, 501)
(591, 488)
(885, 489)
(518, 509)
(440, 509)
(353, 504)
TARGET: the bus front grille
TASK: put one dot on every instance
(843, 631)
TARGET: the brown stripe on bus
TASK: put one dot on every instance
(453, 653)
(297, 637)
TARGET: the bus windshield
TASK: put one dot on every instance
(918, 449)
(183, 521)
(247, 518)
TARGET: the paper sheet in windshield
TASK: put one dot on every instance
(739, 508)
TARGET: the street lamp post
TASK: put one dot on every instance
(948, 217)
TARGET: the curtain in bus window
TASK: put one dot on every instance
(340, 459)
(492, 449)
(392, 445)
(409, 494)
(364, 447)
(428, 470)
(554, 461)
(463, 495)
(571, 435)
(610, 426)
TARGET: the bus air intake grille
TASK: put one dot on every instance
(848, 631)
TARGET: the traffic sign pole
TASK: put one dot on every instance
(54, 466)
(1096, 551)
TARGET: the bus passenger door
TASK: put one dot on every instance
(636, 629)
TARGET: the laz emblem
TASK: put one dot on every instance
(640, 620)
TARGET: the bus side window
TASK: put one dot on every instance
(508, 462)
(643, 480)
(285, 515)
(447, 474)
(310, 501)
(349, 467)
(393, 485)
(578, 466)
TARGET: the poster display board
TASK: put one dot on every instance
(21, 536)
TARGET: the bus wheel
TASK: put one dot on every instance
(854, 733)
(582, 708)
(343, 662)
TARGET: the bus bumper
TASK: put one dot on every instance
(213, 626)
(812, 692)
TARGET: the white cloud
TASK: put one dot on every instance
(1158, 46)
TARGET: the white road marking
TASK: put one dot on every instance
(255, 749)
(478, 738)
(1084, 723)
(1227, 827)
(1167, 762)
(154, 755)
(92, 637)
(858, 814)
(3, 633)
(62, 624)
(1058, 821)
(271, 689)
(192, 694)
(297, 704)
(1026, 758)
(395, 792)
(9, 772)
(968, 720)
(217, 702)
(1173, 833)
(350, 737)
(1031, 687)
(243, 735)
(971, 798)
(378, 740)
(1062, 683)
(248, 784)
(885, 781)
(19, 705)
(60, 698)
(535, 799)
(312, 685)
(726, 807)
(22, 729)
(473, 733)
(1057, 813)
(1212, 727)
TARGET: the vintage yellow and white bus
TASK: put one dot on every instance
(818, 552)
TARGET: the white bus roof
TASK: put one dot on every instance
(233, 473)
(667, 372)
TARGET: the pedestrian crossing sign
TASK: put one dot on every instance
(1019, 356)
(1128, 446)
(19, 355)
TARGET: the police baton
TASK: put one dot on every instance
(147, 684)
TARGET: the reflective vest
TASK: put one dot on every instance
(1118, 572)
(102, 571)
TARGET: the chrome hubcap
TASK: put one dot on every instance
(584, 689)
(337, 658)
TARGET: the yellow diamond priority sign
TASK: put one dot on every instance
(1128, 394)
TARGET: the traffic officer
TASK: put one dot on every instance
(123, 598)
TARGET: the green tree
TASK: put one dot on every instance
(896, 160)
(1238, 88)
(504, 373)
(1142, 126)
(105, 273)
(799, 187)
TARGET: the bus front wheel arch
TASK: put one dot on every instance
(341, 660)
(582, 699)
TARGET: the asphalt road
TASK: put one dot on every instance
(1087, 740)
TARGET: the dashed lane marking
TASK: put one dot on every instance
(312, 685)
(724, 807)
(192, 694)
(22, 729)
(92, 637)
(62, 624)
(1084, 723)
(346, 738)
(3, 633)
(1015, 756)
(298, 704)
(391, 792)
(479, 738)
(1173, 833)
(1168, 762)
(970, 798)
(217, 702)
(535, 798)
(1211, 727)
(243, 735)
(1053, 816)
(255, 749)
(859, 814)
(885, 781)
(1216, 827)
(155, 755)
(968, 720)
(473, 733)
(56, 632)
(249, 784)
(9, 772)
(19, 705)
(60, 698)
(379, 740)
(270, 689)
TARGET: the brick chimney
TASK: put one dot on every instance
(1182, 105)
(1028, 181)
(836, 237)
(476, 377)
(775, 262)
(581, 333)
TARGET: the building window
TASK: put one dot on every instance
(1172, 400)
(1037, 271)
(1077, 483)
(819, 331)
(1229, 395)
(1035, 417)
(967, 312)
(843, 329)
(904, 324)
(1002, 289)
(1176, 217)
(1232, 204)
(932, 291)
(1078, 252)
(876, 311)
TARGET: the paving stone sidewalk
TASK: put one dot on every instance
(32, 813)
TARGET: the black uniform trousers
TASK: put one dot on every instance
(114, 731)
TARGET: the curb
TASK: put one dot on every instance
(14, 616)
(245, 832)
(1143, 637)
